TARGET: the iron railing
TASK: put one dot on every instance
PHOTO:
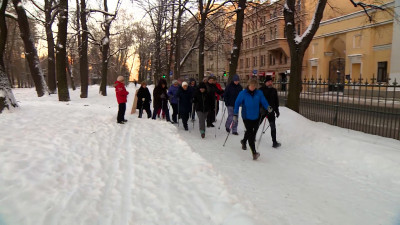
(372, 108)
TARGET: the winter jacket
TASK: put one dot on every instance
(203, 101)
(185, 100)
(271, 95)
(143, 93)
(250, 102)
(120, 92)
(218, 95)
(160, 96)
(172, 94)
(213, 90)
(231, 93)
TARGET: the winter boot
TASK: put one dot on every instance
(228, 130)
(203, 133)
(243, 145)
(235, 133)
(276, 144)
(256, 155)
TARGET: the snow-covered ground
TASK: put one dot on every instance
(71, 163)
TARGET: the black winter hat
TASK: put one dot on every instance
(267, 78)
(202, 85)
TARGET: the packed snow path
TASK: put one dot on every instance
(70, 163)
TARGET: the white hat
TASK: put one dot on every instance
(184, 83)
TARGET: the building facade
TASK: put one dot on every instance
(347, 46)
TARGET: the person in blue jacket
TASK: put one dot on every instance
(173, 99)
(231, 92)
(250, 100)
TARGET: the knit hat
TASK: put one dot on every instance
(202, 85)
(174, 81)
(236, 78)
(184, 83)
(267, 78)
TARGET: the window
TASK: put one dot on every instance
(382, 72)
(298, 29)
(357, 41)
(276, 32)
(262, 60)
(270, 59)
(315, 48)
(241, 63)
(284, 32)
(247, 62)
(272, 34)
(256, 41)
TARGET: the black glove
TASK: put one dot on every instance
(277, 114)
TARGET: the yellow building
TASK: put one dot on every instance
(348, 43)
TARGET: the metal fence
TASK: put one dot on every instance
(372, 108)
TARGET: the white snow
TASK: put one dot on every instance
(105, 41)
(71, 163)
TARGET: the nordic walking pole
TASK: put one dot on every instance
(223, 115)
(179, 115)
(259, 139)
(215, 116)
(230, 127)
(193, 113)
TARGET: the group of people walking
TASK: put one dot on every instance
(187, 99)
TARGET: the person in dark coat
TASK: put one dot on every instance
(250, 99)
(194, 88)
(173, 99)
(184, 96)
(271, 95)
(203, 103)
(231, 92)
(121, 93)
(160, 99)
(213, 90)
(143, 100)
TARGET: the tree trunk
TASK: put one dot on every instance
(70, 72)
(172, 43)
(298, 46)
(295, 83)
(83, 53)
(30, 49)
(202, 39)
(7, 99)
(177, 70)
(105, 47)
(51, 64)
(237, 42)
(61, 55)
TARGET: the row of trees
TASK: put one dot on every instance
(81, 33)
(76, 38)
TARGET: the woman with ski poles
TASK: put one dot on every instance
(250, 99)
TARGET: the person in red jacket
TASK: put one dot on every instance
(121, 94)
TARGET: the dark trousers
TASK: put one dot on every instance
(271, 120)
(164, 109)
(185, 118)
(250, 134)
(121, 112)
(174, 112)
(148, 111)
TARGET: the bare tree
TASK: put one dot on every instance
(83, 47)
(30, 49)
(61, 54)
(7, 99)
(238, 38)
